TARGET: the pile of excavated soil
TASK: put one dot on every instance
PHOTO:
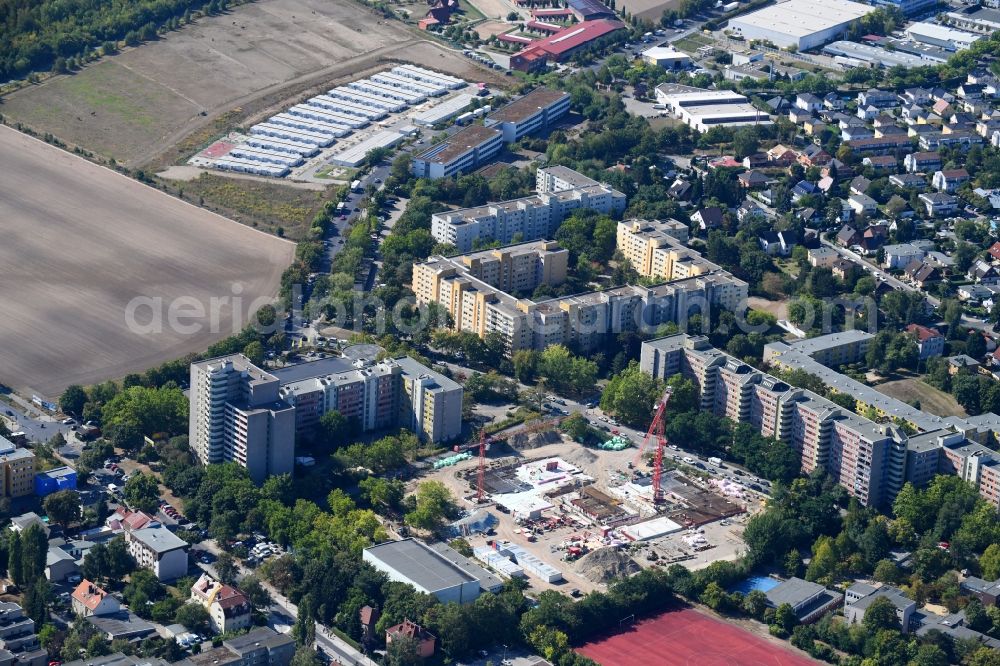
(606, 565)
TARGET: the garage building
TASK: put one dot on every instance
(667, 57)
(703, 109)
(803, 24)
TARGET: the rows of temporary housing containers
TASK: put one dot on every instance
(285, 140)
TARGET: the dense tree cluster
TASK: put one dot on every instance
(41, 35)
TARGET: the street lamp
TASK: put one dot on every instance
(504, 660)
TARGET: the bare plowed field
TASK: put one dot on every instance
(79, 243)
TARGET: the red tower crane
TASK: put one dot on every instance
(657, 429)
(481, 480)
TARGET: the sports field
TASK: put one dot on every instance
(79, 243)
(686, 637)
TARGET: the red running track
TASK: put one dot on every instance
(685, 637)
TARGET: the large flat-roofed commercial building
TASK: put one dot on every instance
(983, 20)
(802, 24)
(392, 393)
(237, 415)
(430, 570)
(460, 153)
(703, 109)
(472, 289)
(907, 6)
(560, 191)
(942, 36)
(531, 113)
(874, 55)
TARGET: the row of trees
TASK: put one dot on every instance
(37, 36)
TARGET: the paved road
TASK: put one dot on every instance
(282, 614)
(594, 417)
(880, 274)
(895, 283)
(36, 424)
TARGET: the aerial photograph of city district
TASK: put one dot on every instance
(499, 332)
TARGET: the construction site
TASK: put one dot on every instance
(575, 518)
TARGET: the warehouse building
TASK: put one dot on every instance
(589, 10)
(443, 112)
(531, 113)
(944, 37)
(428, 76)
(447, 575)
(974, 18)
(461, 153)
(907, 6)
(667, 57)
(856, 54)
(704, 109)
(802, 24)
(356, 154)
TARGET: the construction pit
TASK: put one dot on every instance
(578, 518)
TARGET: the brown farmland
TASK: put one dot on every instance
(79, 242)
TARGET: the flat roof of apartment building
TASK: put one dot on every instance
(823, 342)
(574, 178)
(538, 247)
(530, 201)
(159, 539)
(413, 368)
(324, 366)
(458, 144)
(524, 107)
(866, 394)
(239, 362)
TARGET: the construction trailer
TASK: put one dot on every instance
(281, 132)
(283, 145)
(251, 167)
(268, 156)
(309, 125)
(363, 99)
(422, 74)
